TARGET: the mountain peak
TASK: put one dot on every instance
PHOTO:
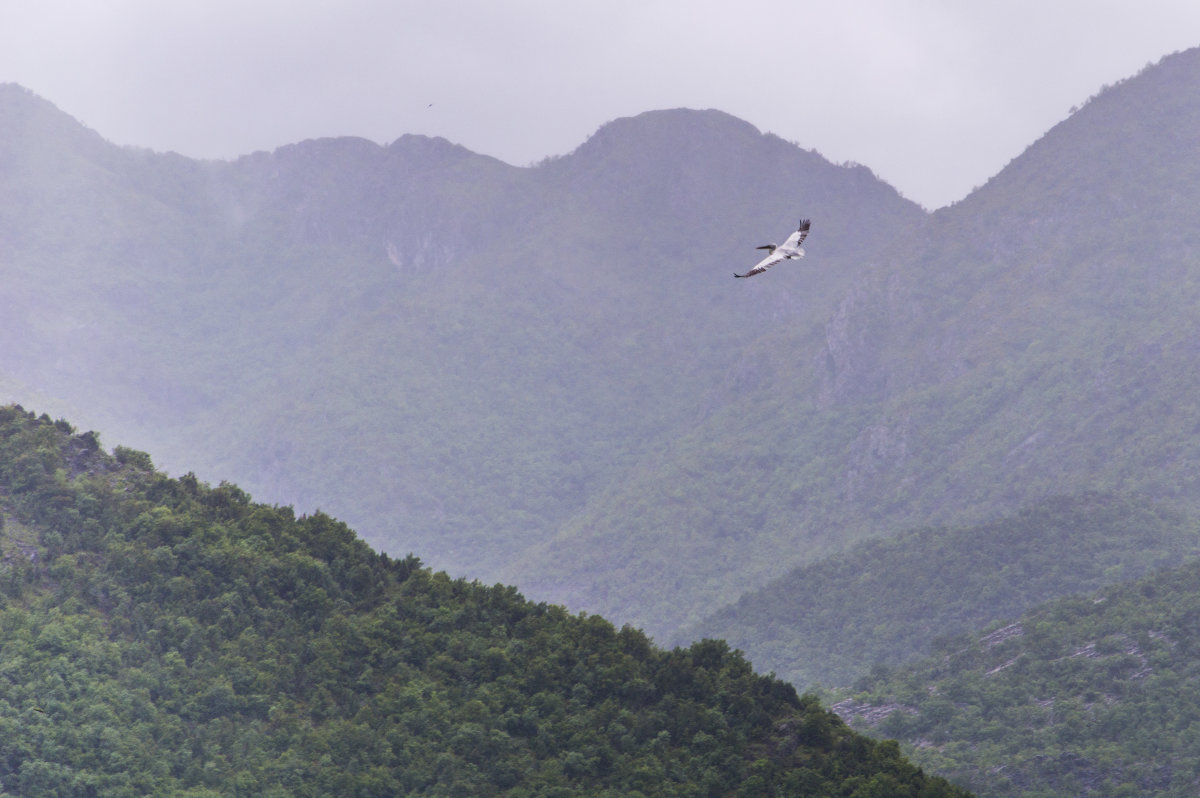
(16, 98)
(28, 120)
(1151, 118)
(434, 152)
(430, 146)
(669, 129)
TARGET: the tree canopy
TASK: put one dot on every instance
(161, 636)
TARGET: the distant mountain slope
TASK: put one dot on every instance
(432, 343)
(163, 637)
(1087, 696)
(1038, 338)
(454, 354)
(887, 601)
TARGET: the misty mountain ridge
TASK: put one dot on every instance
(887, 601)
(546, 374)
(1036, 338)
(484, 347)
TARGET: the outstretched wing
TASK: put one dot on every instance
(797, 238)
(764, 264)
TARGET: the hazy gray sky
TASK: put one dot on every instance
(934, 95)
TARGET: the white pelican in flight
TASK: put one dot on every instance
(789, 250)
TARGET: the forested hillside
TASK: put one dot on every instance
(164, 637)
(1091, 696)
(887, 601)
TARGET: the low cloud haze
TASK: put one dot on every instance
(934, 95)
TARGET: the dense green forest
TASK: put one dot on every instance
(160, 636)
(887, 601)
(1094, 695)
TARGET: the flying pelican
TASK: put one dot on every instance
(789, 250)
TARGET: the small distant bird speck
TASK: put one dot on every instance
(788, 250)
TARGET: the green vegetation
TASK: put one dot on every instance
(160, 636)
(1096, 695)
(887, 601)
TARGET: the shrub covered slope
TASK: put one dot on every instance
(1094, 695)
(886, 601)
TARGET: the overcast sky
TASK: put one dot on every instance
(934, 95)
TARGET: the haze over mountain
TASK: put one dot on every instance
(547, 375)
(935, 96)
(454, 354)
(1037, 338)
(888, 601)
